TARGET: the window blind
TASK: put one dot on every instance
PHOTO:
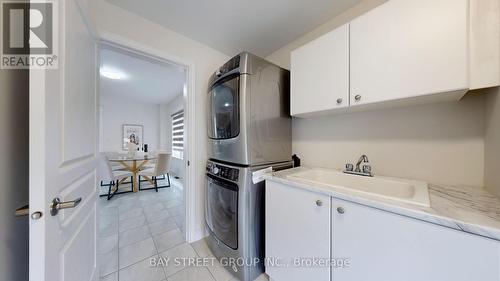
(178, 134)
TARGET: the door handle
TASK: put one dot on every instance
(57, 205)
(22, 211)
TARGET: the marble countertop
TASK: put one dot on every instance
(469, 209)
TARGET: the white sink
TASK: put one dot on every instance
(408, 191)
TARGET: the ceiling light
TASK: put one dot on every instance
(112, 73)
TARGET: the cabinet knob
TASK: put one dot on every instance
(357, 97)
(339, 101)
(319, 203)
(340, 210)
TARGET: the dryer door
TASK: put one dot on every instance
(223, 109)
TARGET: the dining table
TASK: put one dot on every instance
(133, 163)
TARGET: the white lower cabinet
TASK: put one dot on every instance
(297, 230)
(378, 245)
(389, 247)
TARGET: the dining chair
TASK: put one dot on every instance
(103, 166)
(114, 177)
(103, 170)
(161, 168)
(151, 165)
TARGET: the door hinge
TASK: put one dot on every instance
(189, 163)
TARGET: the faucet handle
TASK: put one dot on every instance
(367, 169)
(349, 167)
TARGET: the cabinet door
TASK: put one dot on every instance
(390, 247)
(297, 226)
(320, 73)
(409, 48)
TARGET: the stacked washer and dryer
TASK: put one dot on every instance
(249, 129)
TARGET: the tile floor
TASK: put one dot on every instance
(136, 227)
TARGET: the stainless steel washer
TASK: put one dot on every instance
(234, 215)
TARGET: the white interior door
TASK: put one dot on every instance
(63, 149)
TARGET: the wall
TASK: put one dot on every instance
(166, 111)
(116, 111)
(118, 23)
(440, 143)
(492, 141)
(14, 163)
(281, 57)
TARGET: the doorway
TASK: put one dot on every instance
(143, 171)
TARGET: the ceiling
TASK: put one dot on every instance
(142, 79)
(231, 26)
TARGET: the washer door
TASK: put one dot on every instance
(222, 210)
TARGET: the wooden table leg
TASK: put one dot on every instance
(149, 180)
(137, 168)
(144, 162)
(136, 179)
(134, 168)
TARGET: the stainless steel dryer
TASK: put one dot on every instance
(234, 215)
(249, 119)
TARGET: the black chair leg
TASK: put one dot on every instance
(139, 182)
(116, 189)
(109, 190)
(107, 184)
(112, 183)
(155, 183)
(168, 181)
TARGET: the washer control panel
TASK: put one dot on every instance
(222, 171)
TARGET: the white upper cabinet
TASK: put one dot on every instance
(320, 74)
(409, 48)
(484, 43)
(402, 52)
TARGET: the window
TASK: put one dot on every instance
(178, 134)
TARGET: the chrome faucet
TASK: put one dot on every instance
(365, 170)
(362, 159)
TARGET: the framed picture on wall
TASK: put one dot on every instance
(132, 133)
